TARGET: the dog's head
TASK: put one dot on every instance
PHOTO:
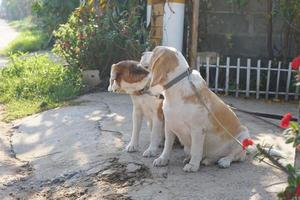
(161, 61)
(127, 77)
(145, 60)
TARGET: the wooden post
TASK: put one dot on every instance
(194, 40)
(270, 29)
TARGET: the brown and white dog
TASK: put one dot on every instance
(203, 138)
(128, 77)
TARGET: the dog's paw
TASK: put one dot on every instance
(150, 152)
(190, 168)
(131, 147)
(224, 162)
(160, 161)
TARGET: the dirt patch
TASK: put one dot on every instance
(110, 180)
(120, 175)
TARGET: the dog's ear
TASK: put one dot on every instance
(162, 62)
(113, 73)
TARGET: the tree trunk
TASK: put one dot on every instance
(270, 29)
(194, 33)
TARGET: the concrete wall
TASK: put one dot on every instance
(229, 30)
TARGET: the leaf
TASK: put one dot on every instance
(290, 168)
(294, 125)
(290, 140)
(291, 181)
(298, 180)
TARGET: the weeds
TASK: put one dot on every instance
(30, 84)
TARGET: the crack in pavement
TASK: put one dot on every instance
(108, 110)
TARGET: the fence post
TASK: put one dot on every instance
(248, 77)
(238, 77)
(268, 79)
(227, 75)
(288, 82)
(198, 63)
(217, 75)
(207, 71)
(258, 79)
(278, 80)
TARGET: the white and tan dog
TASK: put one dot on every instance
(127, 77)
(187, 118)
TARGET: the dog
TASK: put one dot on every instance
(128, 77)
(199, 127)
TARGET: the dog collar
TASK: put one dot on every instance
(178, 78)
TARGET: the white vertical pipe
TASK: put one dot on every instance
(149, 10)
(173, 25)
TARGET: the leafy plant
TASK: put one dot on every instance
(30, 84)
(292, 133)
(92, 41)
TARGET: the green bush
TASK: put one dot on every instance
(30, 84)
(90, 41)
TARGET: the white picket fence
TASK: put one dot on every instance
(271, 87)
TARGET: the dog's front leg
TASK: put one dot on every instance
(196, 151)
(163, 159)
(137, 117)
(156, 137)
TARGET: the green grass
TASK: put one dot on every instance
(26, 41)
(23, 24)
(30, 38)
(31, 84)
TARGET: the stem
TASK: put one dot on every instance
(297, 153)
(274, 161)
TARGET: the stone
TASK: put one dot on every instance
(131, 167)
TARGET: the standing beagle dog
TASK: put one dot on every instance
(204, 139)
(128, 77)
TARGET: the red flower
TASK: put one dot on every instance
(296, 63)
(298, 191)
(285, 121)
(247, 142)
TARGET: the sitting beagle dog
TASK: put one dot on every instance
(199, 127)
(128, 77)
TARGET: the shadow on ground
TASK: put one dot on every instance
(77, 152)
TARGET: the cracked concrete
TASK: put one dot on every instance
(77, 152)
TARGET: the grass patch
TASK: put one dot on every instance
(31, 84)
(30, 38)
(23, 24)
(26, 41)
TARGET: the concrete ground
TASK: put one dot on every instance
(77, 152)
